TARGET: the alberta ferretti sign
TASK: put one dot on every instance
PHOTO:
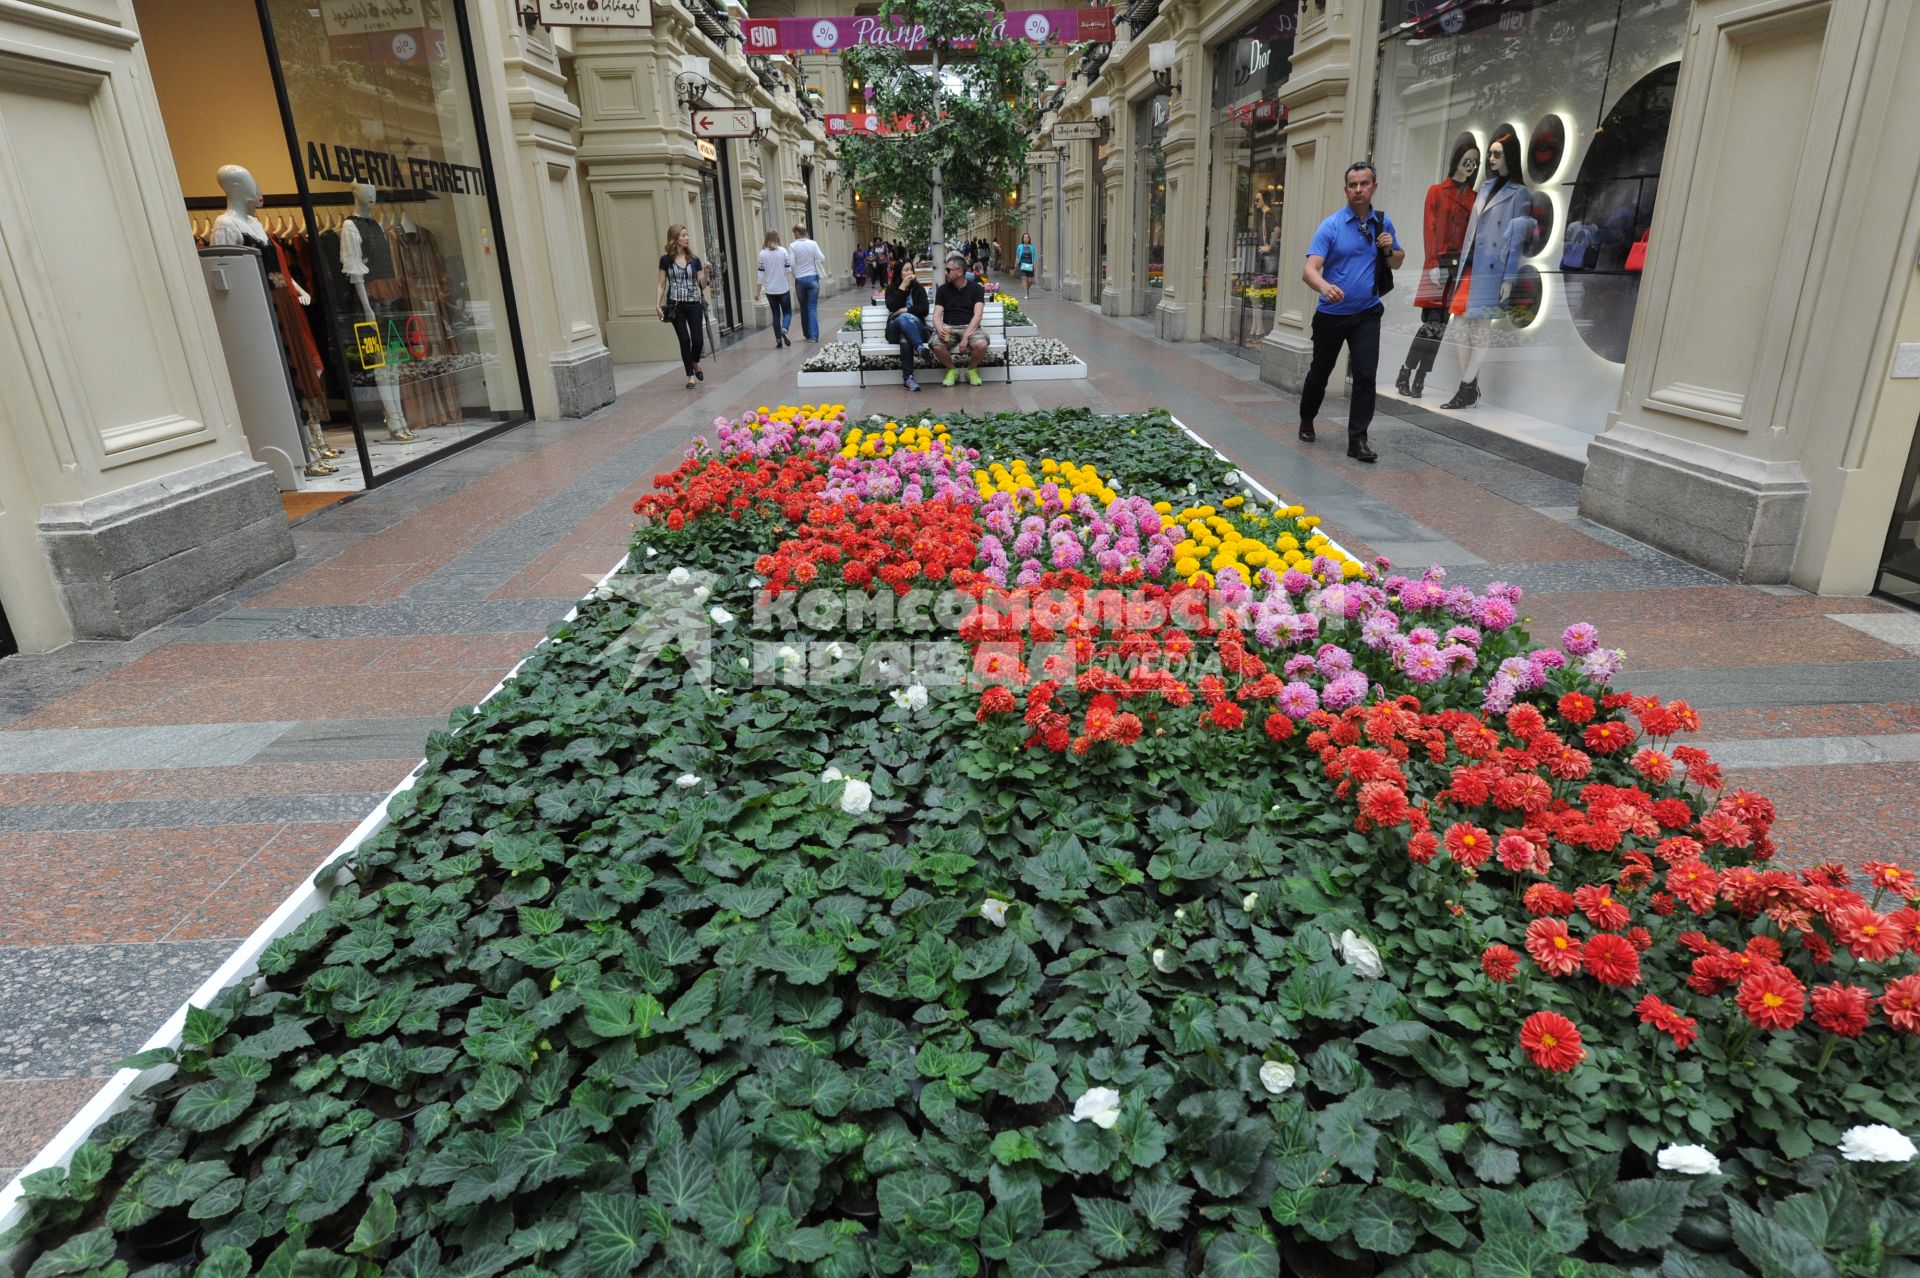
(826, 35)
(370, 17)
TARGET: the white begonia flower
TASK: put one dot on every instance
(679, 577)
(1358, 953)
(651, 552)
(1161, 963)
(755, 582)
(857, 797)
(994, 911)
(832, 774)
(835, 651)
(687, 780)
(1250, 900)
(700, 594)
(1875, 1144)
(912, 697)
(1688, 1160)
(1277, 1076)
(1180, 914)
(721, 617)
(788, 656)
(744, 664)
(1101, 1104)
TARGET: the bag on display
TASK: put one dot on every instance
(1637, 255)
(1582, 252)
(1382, 271)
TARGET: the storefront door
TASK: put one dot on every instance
(1900, 565)
(1249, 180)
(1150, 207)
(717, 250)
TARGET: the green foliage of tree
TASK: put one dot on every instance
(974, 128)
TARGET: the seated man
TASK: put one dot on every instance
(958, 305)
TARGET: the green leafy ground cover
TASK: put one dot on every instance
(626, 986)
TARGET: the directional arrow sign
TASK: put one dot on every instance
(1083, 131)
(723, 122)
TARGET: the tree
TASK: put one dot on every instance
(970, 105)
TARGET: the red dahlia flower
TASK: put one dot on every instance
(1468, 844)
(1772, 998)
(1867, 935)
(1545, 898)
(1499, 963)
(1557, 953)
(1667, 1019)
(1422, 847)
(996, 700)
(1577, 708)
(1612, 960)
(1278, 727)
(1552, 1042)
(1886, 875)
(1226, 714)
(1608, 737)
(1842, 1009)
(1901, 1004)
(1597, 902)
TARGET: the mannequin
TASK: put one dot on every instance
(240, 225)
(364, 255)
(1449, 207)
(1490, 257)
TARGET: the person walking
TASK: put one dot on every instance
(859, 267)
(775, 280)
(1023, 262)
(907, 318)
(960, 303)
(808, 263)
(682, 276)
(1343, 267)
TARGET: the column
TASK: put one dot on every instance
(1323, 98)
(1187, 147)
(1761, 431)
(127, 490)
(1116, 195)
(569, 366)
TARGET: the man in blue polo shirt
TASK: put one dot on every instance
(1341, 264)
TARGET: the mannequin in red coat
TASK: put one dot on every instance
(1449, 205)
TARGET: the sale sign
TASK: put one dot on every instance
(832, 35)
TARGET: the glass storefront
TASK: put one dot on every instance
(1150, 208)
(1249, 180)
(715, 237)
(377, 203)
(1097, 195)
(1900, 565)
(1519, 145)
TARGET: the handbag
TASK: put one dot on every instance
(1637, 255)
(1382, 270)
(1582, 252)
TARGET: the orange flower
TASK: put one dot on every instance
(1552, 1042)
(1557, 953)
(1772, 998)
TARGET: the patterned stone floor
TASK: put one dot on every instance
(159, 797)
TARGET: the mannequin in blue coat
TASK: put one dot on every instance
(1490, 257)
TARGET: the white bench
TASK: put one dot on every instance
(874, 343)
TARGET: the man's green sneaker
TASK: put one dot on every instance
(973, 377)
(953, 375)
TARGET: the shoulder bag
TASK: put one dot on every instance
(1382, 262)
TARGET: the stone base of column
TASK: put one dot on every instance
(1110, 300)
(1284, 360)
(583, 380)
(1170, 321)
(129, 560)
(1072, 289)
(1734, 515)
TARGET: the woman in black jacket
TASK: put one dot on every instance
(907, 317)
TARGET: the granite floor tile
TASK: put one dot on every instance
(113, 886)
(98, 749)
(229, 783)
(32, 1112)
(1788, 685)
(343, 740)
(75, 1011)
(241, 902)
(182, 814)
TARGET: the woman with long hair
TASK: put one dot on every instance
(907, 318)
(775, 280)
(1023, 262)
(682, 276)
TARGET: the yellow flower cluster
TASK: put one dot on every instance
(1019, 481)
(1240, 539)
(1006, 299)
(787, 413)
(883, 442)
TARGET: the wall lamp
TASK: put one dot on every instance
(762, 122)
(1160, 59)
(1101, 107)
(695, 78)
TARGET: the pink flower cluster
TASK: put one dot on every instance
(764, 435)
(1129, 536)
(909, 476)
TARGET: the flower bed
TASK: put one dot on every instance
(1034, 359)
(1206, 916)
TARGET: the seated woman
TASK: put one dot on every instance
(907, 317)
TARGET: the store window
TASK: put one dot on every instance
(1249, 179)
(358, 128)
(1900, 565)
(1097, 194)
(1519, 144)
(1150, 209)
(715, 236)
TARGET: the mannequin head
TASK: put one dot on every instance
(364, 196)
(1497, 160)
(243, 193)
(1463, 164)
(1504, 155)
